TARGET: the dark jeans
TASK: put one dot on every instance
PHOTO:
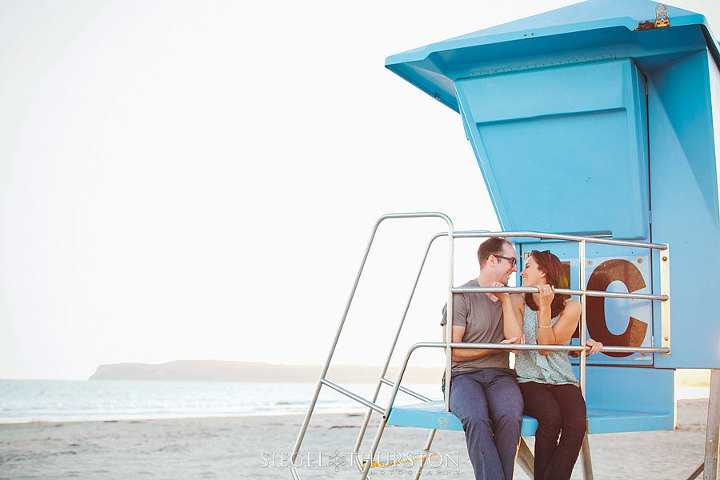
(489, 405)
(560, 411)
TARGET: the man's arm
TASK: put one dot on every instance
(467, 354)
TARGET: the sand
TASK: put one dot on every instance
(257, 448)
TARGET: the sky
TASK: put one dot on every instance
(198, 180)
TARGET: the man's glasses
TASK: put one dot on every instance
(512, 260)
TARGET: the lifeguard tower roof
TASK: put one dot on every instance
(587, 25)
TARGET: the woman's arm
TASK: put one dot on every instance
(512, 323)
(562, 331)
(467, 354)
(458, 333)
(512, 316)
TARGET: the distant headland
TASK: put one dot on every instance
(227, 371)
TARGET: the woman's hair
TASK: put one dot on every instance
(555, 275)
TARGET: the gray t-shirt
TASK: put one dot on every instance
(483, 322)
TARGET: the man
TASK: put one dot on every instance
(483, 392)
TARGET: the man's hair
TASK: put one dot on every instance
(491, 246)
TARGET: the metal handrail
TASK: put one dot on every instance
(562, 291)
(352, 395)
(477, 233)
(366, 419)
(412, 393)
(534, 346)
(492, 346)
(582, 242)
(322, 380)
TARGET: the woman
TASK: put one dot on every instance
(547, 382)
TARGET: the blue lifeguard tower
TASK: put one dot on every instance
(606, 111)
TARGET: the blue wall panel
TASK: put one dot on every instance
(572, 137)
(684, 207)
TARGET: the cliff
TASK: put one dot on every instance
(226, 371)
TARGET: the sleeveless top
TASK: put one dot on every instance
(530, 366)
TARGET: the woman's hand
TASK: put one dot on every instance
(547, 293)
(502, 296)
(595, 347)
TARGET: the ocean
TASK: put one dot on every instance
(23, 401)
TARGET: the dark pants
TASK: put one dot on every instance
(489, 405)
(557, 408)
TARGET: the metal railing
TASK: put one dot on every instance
(322, 380)
(364, 466)
(581, 292)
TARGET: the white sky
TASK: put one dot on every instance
(197, 180)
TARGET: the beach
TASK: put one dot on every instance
(257, 447)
